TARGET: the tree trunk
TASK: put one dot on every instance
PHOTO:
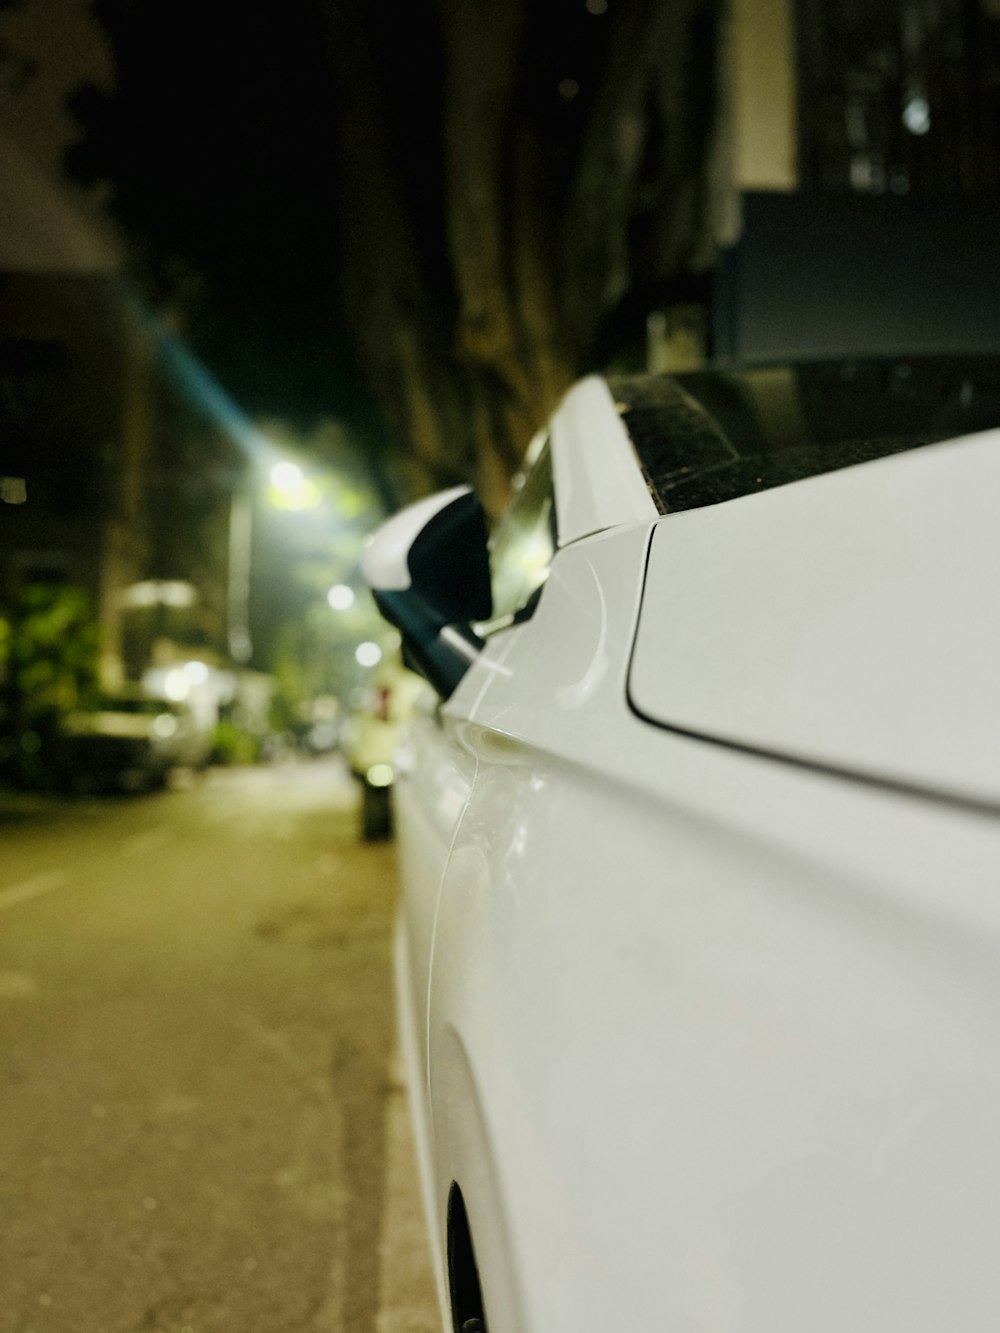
(508, 334)
(470, 339)
(644, 163)
(387, 301)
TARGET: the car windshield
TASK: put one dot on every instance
(714, 435)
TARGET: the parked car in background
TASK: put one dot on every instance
(130, 742)
(698, 960)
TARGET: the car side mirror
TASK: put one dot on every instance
(429, 571)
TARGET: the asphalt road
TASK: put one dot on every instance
(200, 1127)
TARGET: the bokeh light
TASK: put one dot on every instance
(340, 597)
(368, 654)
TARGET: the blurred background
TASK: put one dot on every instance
(267, 272)
(266, 275)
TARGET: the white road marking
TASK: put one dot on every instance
(36, 887)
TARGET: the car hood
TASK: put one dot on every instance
(850, 621)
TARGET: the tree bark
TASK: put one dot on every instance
(507, 334)
(645, 158)
(470, 363)
(386, 298)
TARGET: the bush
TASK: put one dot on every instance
(49, 653)
(233, 745)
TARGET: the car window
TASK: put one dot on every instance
(715, 435)
(523, 542)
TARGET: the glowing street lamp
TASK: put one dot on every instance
(289, 488)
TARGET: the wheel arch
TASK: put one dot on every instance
(477, 1239)
(464, 1288)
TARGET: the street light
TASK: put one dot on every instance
(289, 488)
(238, 599)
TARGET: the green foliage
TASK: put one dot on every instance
(54, 644)
(49, 653)
(234, 745)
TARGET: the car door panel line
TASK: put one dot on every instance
(881, 781)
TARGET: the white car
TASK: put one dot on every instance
(698, 959)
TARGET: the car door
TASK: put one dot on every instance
(522, 547)
(437, 765)
(433, 781)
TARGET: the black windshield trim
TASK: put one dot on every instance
(706, 437)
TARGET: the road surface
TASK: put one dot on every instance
(201, 1130)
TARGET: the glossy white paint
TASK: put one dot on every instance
(600, 486)
(708, 1040)
(852, 619)
(384, 563)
